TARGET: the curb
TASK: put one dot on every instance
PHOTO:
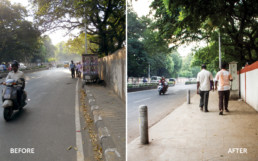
(109, 150)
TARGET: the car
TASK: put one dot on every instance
(66, 64)
(155, 79)
(22, 66)
(171, 81)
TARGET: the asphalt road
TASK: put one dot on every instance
(159, 106)
(47, 122)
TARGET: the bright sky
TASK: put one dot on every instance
(56, 36)
(141, 7)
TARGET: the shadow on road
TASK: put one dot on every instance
(18, 115)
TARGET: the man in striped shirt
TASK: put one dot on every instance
(224, 78)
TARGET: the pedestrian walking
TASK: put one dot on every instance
(223, 77)
(204, 80)
(72, 68)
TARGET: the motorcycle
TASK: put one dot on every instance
(162, 88)
(10, 100)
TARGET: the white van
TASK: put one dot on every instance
(155, 79)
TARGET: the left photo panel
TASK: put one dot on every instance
(63, 80)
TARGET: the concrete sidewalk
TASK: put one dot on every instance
(188, 134)
(112, 113)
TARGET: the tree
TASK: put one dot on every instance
(62, 53)
(177, 59)
(188, 69)
(236, 20)
(46, 50)
(18, 37)
(105, 20)
(77, 45)
(146, 47)
(137, 56)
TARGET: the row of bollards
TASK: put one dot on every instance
(143, 120)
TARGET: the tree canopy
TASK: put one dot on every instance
(181, 21)
(146, 47)
(105, 20)
(19, 39)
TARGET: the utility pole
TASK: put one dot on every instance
(219, 53)
(149, 74)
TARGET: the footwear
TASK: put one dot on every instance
(221, 113)
(201, 108)
(206, 110)
(226, 110)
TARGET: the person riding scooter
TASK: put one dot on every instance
(162, 88)
(19, 77)
(162, 81)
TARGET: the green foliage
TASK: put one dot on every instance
(18, 37)
(188, 69)
(146, 47)
(182, 21)
(177, 59)
(105, 20)
(62, 53)
(77, 45)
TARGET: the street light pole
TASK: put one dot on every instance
(85, 25)
(149, 73)
(219, 53)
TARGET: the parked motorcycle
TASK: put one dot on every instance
(163, 88)
(10, 100)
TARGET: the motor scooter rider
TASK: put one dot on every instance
(19, 77)
(162, 81)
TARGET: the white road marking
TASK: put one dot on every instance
(141, 100)
(80, 154)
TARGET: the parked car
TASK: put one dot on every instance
(155, 79)
(22, 66)
(171, 81)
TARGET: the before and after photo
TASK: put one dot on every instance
(117, 80)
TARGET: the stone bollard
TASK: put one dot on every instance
(188, 96)
(144, 134)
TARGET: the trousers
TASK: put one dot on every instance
(223, 97)
(204, 99)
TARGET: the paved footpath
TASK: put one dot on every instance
(112, 112)
(187, 134)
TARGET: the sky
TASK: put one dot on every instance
(141, 7)
(56, 36)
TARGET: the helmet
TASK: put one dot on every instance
(15, 63)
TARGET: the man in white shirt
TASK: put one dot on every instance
(204, 81)
(19, 77)
(224, 78)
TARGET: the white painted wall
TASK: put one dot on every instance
(242, 86)
(251, 88)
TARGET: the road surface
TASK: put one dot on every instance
(47, 123)
(159, 106)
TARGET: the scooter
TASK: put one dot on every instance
(162, 88)
(9, 98)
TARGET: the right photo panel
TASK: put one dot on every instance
(192, 89)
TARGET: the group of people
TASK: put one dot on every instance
(222, 84)
(76, 69)
(4, 67)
